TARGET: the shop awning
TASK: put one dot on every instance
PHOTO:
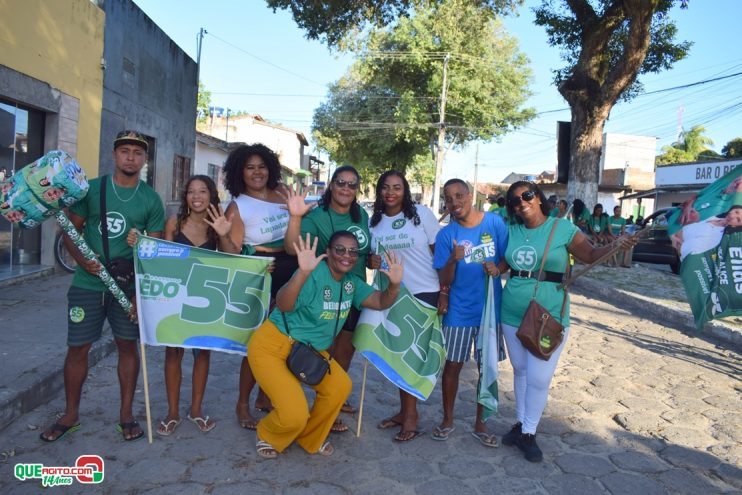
(680, 188)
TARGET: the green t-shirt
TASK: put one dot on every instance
(142, 210)
(616, 224)
(585, 216)
(323, 223)
(525, 248)
(598, 224)
(554, 212)
(316, 309)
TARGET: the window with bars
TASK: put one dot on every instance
(181, 172)
(213, 172)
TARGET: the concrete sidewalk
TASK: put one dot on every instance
(34, 327)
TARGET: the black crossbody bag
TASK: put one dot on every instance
(304, 361)
(120, 269)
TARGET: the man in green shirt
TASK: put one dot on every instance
(129, 204)
(617, 227)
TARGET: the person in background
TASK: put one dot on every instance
(338, 210)
(552, 204)
(597, 225)
(259, 222)
(466, 251)
(408, 229)
(580, 215)
(617, 228)
(562, 208)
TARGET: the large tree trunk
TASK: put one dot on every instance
(586, 145)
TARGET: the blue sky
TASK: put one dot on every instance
(259, 61)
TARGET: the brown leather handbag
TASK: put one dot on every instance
(540, 332)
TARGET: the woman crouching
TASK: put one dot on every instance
(311, 308)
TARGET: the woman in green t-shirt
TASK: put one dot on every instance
(526, 246)
(338, 209)
(311, 308)
(597, 225)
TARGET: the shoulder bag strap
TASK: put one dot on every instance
(104, 217)
(543, 258)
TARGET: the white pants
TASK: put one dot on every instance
(531, 377)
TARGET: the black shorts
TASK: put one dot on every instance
(430, 298)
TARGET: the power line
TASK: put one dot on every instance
(264, 60)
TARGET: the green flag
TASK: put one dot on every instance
(198, 298)
(492, 352)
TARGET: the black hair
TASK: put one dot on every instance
(531, 187)
(355, 208)
(619, 208)
(408, 207)
(234, 180)
(184, 211)
(563, 202)
(341, 233)
(501, 202)
(578, 207)
(451, 182)
(595, 208)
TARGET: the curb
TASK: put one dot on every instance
(26, 277)
(683, 320)
(38, 386)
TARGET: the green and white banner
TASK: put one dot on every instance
(490, 344)
(198, 298)
(404, 342)
(707, 233)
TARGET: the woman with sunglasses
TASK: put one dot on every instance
(408, 229)
(526, 246)
(259, 219)
(311, 308)
(338, 210)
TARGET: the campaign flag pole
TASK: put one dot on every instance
(146, 391)
(363, 395)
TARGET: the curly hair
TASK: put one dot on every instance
(408, 207)
(184, 211)
(326, 199)
(533, 187)
(234, 180)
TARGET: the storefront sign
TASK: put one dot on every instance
(694, 173)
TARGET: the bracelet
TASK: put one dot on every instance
(445, 289)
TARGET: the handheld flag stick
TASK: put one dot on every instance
(363, 395)
(146, 391)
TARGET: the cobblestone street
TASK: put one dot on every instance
(635, 408)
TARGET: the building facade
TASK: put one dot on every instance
(51, 89)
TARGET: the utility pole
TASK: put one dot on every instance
(476, 173)
(441, 139)
(226, 132)
(199, 44)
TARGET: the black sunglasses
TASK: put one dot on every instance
(341, 250)
(346, 183)
(524, 196)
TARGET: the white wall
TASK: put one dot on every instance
(204, 156)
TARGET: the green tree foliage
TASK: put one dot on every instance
(332, 20)
(606, 44)
(203, 102)
(691, 146)
(733, 149)
(384, 111)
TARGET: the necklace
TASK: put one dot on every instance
(527, 233)
(113, 183)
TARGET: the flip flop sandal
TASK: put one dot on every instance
(442, 434)
(486, 439)
(326, 449)
(61, 428)
(202, 423)
(388, 423)
(122, 427)
(348, 408)
(339, 427)
(407, 435)
(167, 429)
(266, 450)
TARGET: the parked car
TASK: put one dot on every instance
(655, 246)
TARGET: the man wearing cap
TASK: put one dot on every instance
(129, 204)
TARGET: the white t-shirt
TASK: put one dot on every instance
(699, 237)
(412, 243)
(265, 222)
